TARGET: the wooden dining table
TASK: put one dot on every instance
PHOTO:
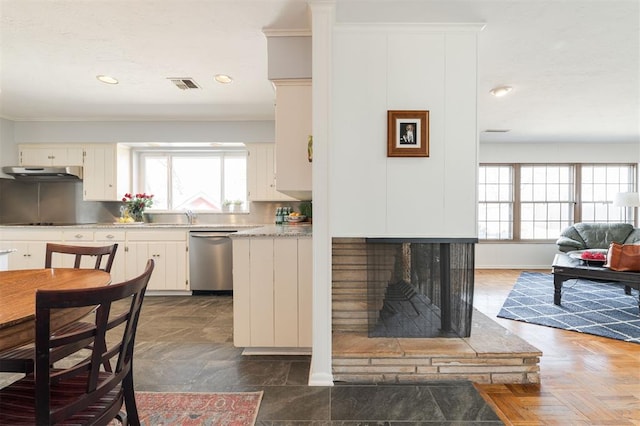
(18, 299)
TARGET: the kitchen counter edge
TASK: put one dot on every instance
(286, 231)
(137, 226)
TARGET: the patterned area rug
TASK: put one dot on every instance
(181, 409)
(589, 307)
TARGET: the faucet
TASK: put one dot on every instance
(191, 216)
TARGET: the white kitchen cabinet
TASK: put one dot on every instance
(94, 238)
(272, 292)
(293, 128)
(30, 246)
(50, 155)
(167, 248)
(107, 172)
(261, 174)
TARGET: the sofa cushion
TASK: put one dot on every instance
(634, 237)
(600, 235)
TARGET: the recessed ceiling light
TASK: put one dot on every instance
(107, 79)
(223, 78)
(500, 90)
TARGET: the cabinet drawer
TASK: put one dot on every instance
(109, 235)
(77, 235)
(30, 235)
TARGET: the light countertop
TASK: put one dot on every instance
(137, 226)
(298, 230)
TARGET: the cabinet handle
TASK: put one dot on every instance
(78, 235)
(110, 236)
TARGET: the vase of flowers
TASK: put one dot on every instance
(136, 204)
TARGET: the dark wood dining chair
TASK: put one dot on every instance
(22, 359)
(79, 252)
(70, 387)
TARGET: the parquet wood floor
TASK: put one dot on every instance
(584, 380)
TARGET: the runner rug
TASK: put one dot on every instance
(588, 307)
(181, 409)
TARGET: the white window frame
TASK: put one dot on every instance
(613, 178)
(142, 153)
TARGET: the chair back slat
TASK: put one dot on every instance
(80, 252)
(111, 340)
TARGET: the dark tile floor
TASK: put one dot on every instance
(185, 344)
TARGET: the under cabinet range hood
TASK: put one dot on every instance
(53, 173)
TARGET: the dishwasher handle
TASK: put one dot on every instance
(210, 234)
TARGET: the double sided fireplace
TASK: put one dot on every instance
(419, 287)
(402, 312)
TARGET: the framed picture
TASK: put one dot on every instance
(407, 133)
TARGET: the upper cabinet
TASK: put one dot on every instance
(289, 56)
(50, 155)
(107, 172)
(293, 130)
(261, 177)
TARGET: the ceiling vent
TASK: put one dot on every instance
(185, 83)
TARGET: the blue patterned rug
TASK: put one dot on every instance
(588, 307)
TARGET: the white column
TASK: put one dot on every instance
(322, 25)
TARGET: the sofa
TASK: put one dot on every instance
(583, 236)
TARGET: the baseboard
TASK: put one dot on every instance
(276, 351)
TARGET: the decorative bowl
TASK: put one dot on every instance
(295, 219)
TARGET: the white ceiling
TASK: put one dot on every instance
(574, 64)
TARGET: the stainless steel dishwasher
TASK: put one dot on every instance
(210, 261)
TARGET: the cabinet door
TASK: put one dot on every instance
(305, 291)
(293, 128)
(103, 238)
(106, 172)
(28, 255)
(170, 271)
(173, 262)
(241, 292)
(35, 157)
(51, 155)
(136, 256)
(99, 167)
(261, 175)
(262, 282)
(285, 292)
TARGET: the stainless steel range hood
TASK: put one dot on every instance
(54, 173)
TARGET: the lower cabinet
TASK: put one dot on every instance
(168, 249)
(30, 247)
(272, 292)
(94, 238)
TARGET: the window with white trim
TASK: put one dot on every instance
(495, 207)
(521, 202)
(194, 179)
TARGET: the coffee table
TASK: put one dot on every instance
(565, 268)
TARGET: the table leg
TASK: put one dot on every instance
(557, 289)
(627, 289)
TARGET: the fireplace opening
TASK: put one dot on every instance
(420, 287)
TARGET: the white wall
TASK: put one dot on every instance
(145, 131)
(391, 68)
(559, 153)
(8, 150)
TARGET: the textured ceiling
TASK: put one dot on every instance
(574, 64)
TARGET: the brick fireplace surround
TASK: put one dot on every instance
(491, 354)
